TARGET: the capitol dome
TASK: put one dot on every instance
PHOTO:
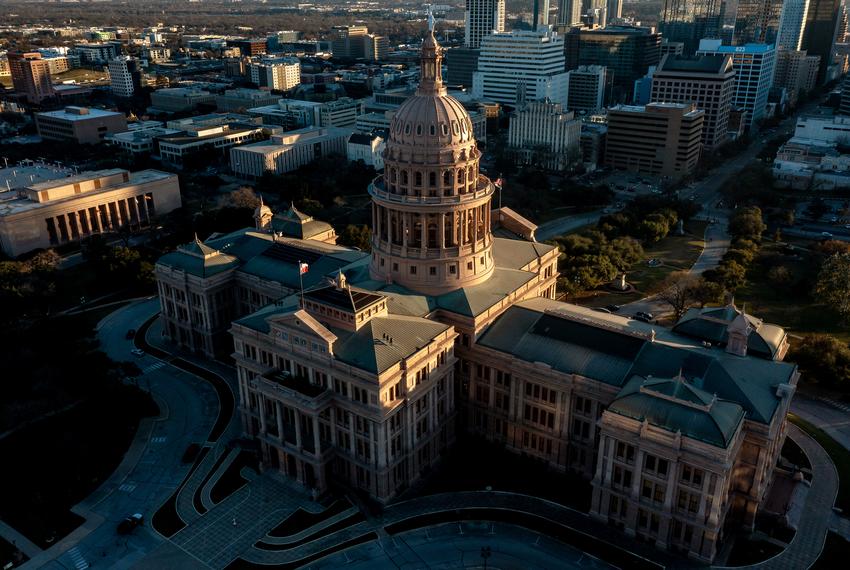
(431, 207)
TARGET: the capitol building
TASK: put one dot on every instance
(365, 376)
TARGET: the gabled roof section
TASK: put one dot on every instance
(517, 253)
(385, 341)
(199, 259)
(675, 405)
(711, 324)
(300, 317)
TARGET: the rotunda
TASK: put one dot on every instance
(431, 208)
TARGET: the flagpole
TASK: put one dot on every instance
(301, 281)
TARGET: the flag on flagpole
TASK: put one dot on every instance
(303, 268)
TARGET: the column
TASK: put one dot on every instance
(279, 419)
(297, 429)
(442, 230)
(262, 402)
(382, 446)
(404, 229)
(317, 445)
(423, 231)
(376, 217)
(475, 230)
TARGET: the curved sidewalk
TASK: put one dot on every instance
(807, 544)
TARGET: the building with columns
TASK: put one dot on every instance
(360, 369)
(64, 210)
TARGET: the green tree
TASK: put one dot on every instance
(706, 292)
(357, 236)
(822, 359)
(747, 223)
(654, 228)
(833, 285)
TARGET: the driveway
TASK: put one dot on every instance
(152, 468)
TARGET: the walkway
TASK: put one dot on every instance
(815, 521)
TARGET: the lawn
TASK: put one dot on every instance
(81, 75)
(839, 455)
(788, 305)
(675, 252)
(835, 553)
(55, 463)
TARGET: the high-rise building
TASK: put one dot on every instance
(347, 41)
(280, 74)
(533, 58)
(819, 33)
(707, 81)
(540, 14)
(375, 47)
(757, 21)
(569, 12)
(97, 54)
(792, 20)
(627, 52)
(125, 76)
(796, 72)
(544, 134)
(483, 17)
(31, 76)
(587, 87)
(659, 139)
(461, 64)
(613, 10)
(689, 21)
(844, 107)
(754, 65)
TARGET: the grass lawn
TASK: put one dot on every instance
(839, 455)
(676, 253)
(790, 306)
(835, 553)
(55, 463)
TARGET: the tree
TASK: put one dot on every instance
(831, 247)
(747, 223)
(357, 236)
(779, 275)
(243, 197)
(677, 290)
(654, 228)
(833, 285)
(822, 359)
(705, 292)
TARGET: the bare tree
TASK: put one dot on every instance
(677, 290)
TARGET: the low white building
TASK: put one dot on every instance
(295, 114)
(366, 147)
(542, 133)
(140, 137)
(63, 210)
(242, 99)
(175, 148)
(826, 128)
(807, 164)
(287, 152)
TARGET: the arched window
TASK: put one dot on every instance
(404, 178)
(432, 235)
(444, 128)
(460, 175)
(407, 129)
(432, 179)
(392, 175)
(418, 129)
(433, 130)
(447, 178)
(418, 179)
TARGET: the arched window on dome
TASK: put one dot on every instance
(460, 176)
(419, 130)
(432, 235)
(444, 128)
(463, 127)
(404, 178)
(432, 179)
(417, 179)
(447, 178)
(455, 128)
(470, 175)
(433, 130)
(407, 128)
(392, 175)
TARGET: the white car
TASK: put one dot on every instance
(137, 352)
(826, 234)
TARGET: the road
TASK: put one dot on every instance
(152, 468)
(561, 226)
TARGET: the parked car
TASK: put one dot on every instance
(613, 308)
(602, 310)
(130, 523)
(643, 315)
(130, 334)
(642, 319)
(826, 235)
(137, 352)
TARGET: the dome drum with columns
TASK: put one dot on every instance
(431, 208)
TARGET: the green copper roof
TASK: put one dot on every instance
(710, 324)
(516, 253)
(678, 406)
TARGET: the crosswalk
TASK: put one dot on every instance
(835, 404)
(77, 558)
(155, 366)
(127, 487)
